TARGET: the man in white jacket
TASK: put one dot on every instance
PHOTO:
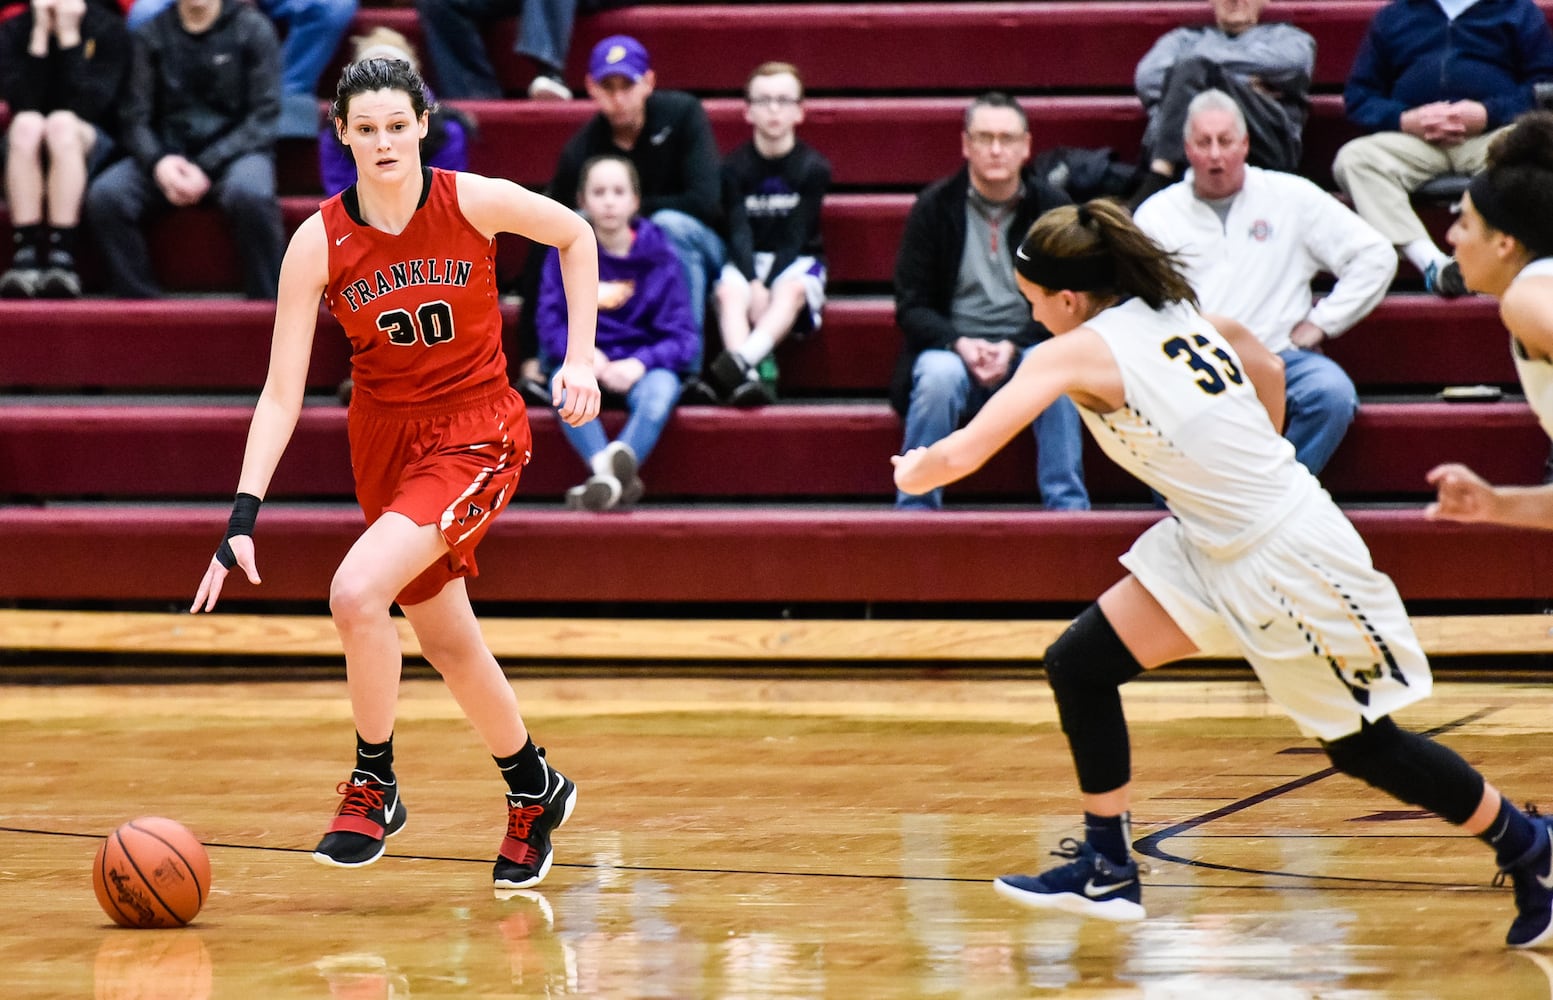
(1251, 241)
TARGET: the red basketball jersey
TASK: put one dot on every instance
(419, 308)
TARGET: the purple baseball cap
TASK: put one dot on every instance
(619, 55)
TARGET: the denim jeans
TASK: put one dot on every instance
(313, 32)
(1321, 402)
(650, 402)
(701, 253)
(455, 42)
(944, 396)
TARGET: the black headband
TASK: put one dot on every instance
(1529, 227)
(1076, 274)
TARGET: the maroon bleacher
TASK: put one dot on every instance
(1410, 343)
(698, 555)
(791, 453)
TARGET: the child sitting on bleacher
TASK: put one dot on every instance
(646, 334)
(773, 284)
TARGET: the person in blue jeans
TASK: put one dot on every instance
(966, 325)
(1250, 241)
(314, 29)
(647, 339)
(455, 44)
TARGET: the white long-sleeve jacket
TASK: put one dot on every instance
(1256, 266)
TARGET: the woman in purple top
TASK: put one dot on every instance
(647, 335)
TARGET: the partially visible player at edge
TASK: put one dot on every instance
(1256, 554)
(1502, 240)
(405, 259)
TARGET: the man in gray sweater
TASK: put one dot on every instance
(1265, 67)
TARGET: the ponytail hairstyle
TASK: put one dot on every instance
(1097, 248)
(379, 74)
(1514, 192)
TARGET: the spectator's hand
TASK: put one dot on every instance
(179, 186)
(971, 350)
(1307, 335)
(530, 369)
(1463, 495)
(998, 361)
(1429, 122)
(574, 392)
(67, 22)
(215, 574)
(42, 28)
(620, 376)
(1471, 117)
(760, 301)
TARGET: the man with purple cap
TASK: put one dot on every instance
(666, 135)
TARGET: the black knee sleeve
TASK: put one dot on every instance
(1410, 767)
(1085, 666)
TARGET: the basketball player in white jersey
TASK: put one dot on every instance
(1503, 242)
(1256, 552)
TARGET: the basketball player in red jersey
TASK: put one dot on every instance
(405, 261)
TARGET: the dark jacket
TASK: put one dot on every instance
(649, 313)
(1413, 55)
(210, 97)
(675, 156)
(87, 79)
(928, 263)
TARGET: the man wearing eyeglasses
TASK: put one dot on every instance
(966, 326)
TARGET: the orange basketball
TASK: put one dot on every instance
(151, 872)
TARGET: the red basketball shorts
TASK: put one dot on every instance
(455, 470)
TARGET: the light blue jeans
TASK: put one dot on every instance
(313, 31)
(1321, 402)
(944, 396)
(701, 253)
(650, 402)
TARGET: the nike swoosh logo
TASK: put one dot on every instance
(388, 811)
(1093, 891)
(1265, 626)
(342, 239)
(658, 139)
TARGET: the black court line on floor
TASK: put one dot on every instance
(1150, 846)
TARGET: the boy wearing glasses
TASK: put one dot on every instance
(773, 284)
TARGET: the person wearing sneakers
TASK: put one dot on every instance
(62, 67)
(1256, 555)
(774, 282)
(405, 260)
(455, 42)
(646, 336)
(1503, 240)
(1432, 81)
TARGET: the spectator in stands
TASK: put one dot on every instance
(199, 124)
(1265, 67)
(667, 137)
(647, 340)
(456, 44)
(1250, 241)
(1431, 82)
(313, 32)
(965, 322)
(62, 68)
(774, 282)
(447, 137)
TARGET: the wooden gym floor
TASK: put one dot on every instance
(755, 834)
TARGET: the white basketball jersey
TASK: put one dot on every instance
(1193, 429)
(1536, 375)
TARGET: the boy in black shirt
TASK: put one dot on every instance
(774, 281)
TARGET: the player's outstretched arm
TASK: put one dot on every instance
(303, 275)
(496, 206)
(1463, 495)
